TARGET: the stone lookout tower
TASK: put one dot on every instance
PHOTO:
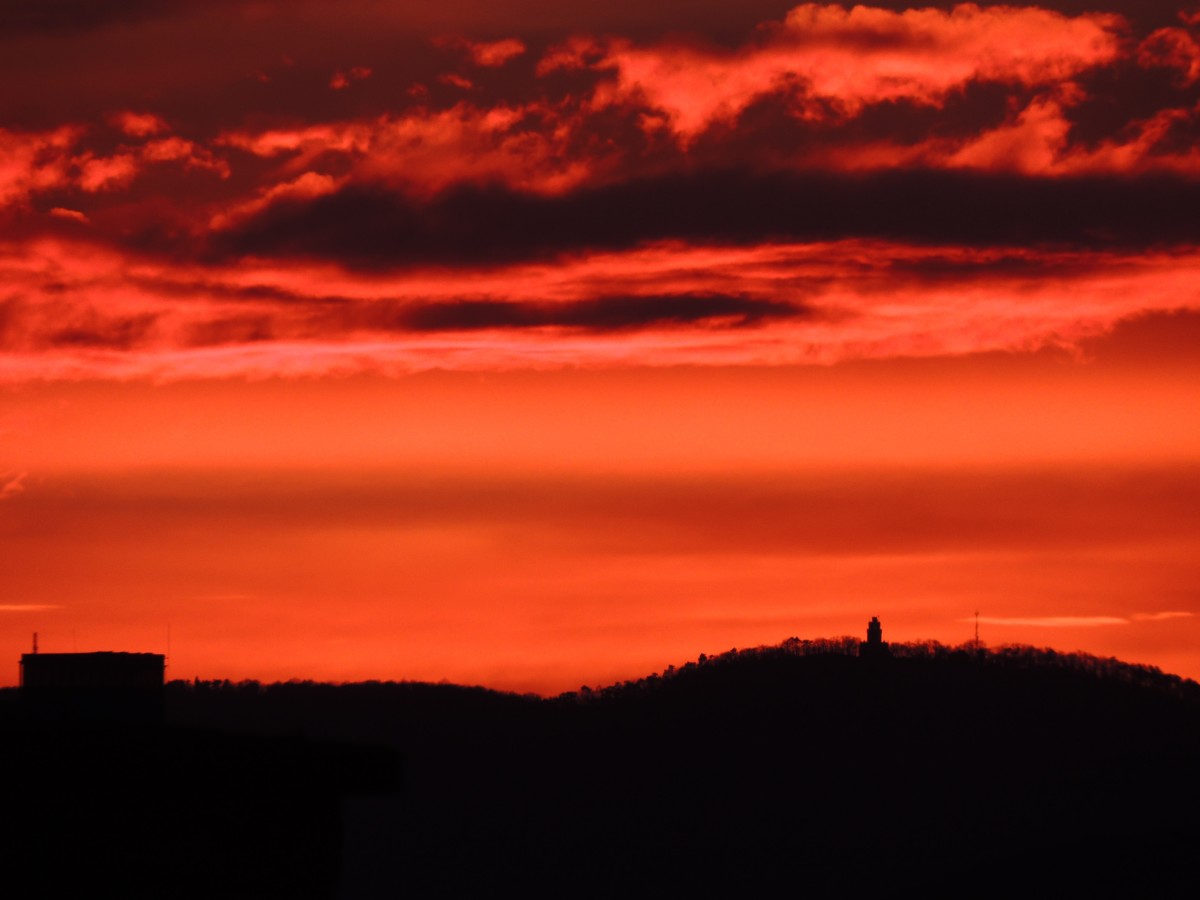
(874, 647)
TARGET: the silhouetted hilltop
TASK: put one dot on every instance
(772, 662)
(1012, 770)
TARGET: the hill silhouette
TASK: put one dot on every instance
(799, 767)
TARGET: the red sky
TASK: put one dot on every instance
(537, 344)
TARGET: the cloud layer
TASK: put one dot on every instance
(590, 189)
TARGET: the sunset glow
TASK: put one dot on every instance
(534, 346)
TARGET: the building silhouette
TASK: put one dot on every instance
(109, 799)
(874, 647)
(107, 686)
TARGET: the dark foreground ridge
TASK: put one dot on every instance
(802, 768)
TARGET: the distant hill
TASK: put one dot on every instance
(798, 767)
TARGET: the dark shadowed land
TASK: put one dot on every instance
(800, 767)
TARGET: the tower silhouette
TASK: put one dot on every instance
(874, 646)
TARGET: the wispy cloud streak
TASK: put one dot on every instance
(12, 484)
(1076, 621)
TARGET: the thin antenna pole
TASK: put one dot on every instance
(35, 643)
(167, 660)
(977, 629)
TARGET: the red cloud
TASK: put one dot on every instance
(342, 80)
(489, 54)
(107, 173)
(456, 80)
(72, 215)
(426, 151)
(140, 124)
(306, 141)
(830, 57)
(31, 162)
(114, 172)
(497, 53)
(178, 150)
(306, 187)
(1172, 48)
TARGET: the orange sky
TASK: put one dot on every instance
(576, 345)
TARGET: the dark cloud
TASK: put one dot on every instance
(1142, 14)
(996, 265)
(96, 333)
(718, 19)
(330, 313)
(224, 330)
(768, 134)
(599, 314)
(1124, 92)
(292, 317)
(301, 318)
(370, 227)
(17, 16)
(479, 18)
(25, 326)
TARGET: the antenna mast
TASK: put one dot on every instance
(976, 629)
(35, 643)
